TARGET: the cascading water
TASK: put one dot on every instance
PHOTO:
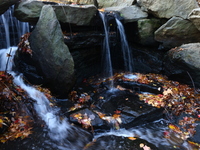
(127, 55)
(58, 128)
(106, 56)
(108, 71)
(11, 29)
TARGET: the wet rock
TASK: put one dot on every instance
(4, 5)
(84, 40)
(50, 54)
(87, 62)
(194, 16)
(76, 139)
(179, 30)
(196, 137)
(147, 60)
(88, 115)
(111, 142)
(133, 112)
(154, 88)
(169, 8)
(130, 13)
(186, 59)
(30, 71)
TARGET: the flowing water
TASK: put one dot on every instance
(106, 57)
(58, 128)
(11, 29)
(127, 55)
(106, 54)
(59, 134)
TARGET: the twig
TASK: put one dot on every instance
(195, 91)
(8, 55)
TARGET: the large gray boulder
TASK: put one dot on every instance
(187, 54)
(75, 14)
(186, 59)
(129, 13)
(51, 54)
(29, 11)
(5, 4)
(194, 16)
(114, 3)
(177, 31)
(169, 8)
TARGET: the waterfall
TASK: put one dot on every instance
(127, 55)
(106, 57)
(11, 29)
(58, 128)
(106, 49)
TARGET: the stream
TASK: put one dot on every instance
(96, 116)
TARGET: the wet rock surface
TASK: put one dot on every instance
(112, 142)
(40, 139)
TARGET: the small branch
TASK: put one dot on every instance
(192, 83)
(8, 55)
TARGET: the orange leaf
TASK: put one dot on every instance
(132, 138)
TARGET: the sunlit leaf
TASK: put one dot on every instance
(132, 138)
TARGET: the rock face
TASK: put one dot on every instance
(29, 11)
(50, 53)
(168, 8)
(95, 121)
(185, 57)
(179, 30)
(146, 29)
(194, 16)
(129, 13)
(114, 3)
(78, 15)
(5, 4)
(133, 111)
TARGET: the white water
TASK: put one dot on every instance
(106, 57)
(127, 55)
(58, 128)
(12, 26)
